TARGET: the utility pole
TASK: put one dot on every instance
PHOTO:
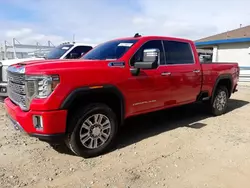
(14, 48)
(73, 38)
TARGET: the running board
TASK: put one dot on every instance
(205, 98)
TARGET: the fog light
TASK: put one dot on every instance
(3, 90)
(38, 122)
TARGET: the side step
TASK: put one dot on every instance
(205, 98)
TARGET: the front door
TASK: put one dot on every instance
(146, 91)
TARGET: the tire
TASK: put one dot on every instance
(87, 146)
(220, 101)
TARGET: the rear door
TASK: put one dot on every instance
(146, 91)
(184, 72)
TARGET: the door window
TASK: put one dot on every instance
(178, 52)
(138, 56)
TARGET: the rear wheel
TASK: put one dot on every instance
(94, 129)
(220, 101)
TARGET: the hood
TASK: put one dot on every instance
(16, 61)
(58, 65)
(41, 61)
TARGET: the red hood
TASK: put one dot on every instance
(45, 61)
(55, 66)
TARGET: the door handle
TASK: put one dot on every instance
(196, 71)
(166, 73)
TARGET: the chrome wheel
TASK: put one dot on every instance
(95, 131)
(220, 101)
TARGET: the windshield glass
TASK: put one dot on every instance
(110, 50)
(58, 51)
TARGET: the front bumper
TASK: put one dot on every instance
(3, 89)
(54, 122)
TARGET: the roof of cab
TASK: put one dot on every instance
(154, 37)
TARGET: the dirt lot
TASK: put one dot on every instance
(182, 147)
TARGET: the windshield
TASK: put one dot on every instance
(110, 50)
(58, 51)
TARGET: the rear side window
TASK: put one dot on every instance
(178, 52)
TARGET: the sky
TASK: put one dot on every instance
(95, 21)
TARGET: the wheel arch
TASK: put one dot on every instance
(85, 95)
(226, 80)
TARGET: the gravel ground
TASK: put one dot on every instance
(182, 147)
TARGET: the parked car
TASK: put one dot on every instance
(63, 51)
(84, 102)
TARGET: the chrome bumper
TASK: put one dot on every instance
(15, 124)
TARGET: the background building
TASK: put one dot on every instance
(230, 46)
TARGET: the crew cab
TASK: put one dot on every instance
(63, 51)
(84, 102)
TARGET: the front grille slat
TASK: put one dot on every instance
(16, 78)
(16, 89)
(20, 89)
(18, 99)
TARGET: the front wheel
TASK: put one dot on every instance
(94, 132)
(220, 101)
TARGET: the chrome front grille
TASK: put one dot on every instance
(18, 99)
(20, 89)
(16, 89)
(16, 78)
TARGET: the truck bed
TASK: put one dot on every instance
(212, 71)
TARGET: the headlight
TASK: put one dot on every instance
(41, 86)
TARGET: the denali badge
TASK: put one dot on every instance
(143, 102)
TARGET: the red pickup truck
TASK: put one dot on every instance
(84, 102)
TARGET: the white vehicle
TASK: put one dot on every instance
(63, 51)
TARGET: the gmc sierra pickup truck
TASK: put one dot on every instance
(84, 102)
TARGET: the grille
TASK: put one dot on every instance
(16, 89)
(20, 89)
(16, 78)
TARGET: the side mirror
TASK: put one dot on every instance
(150, 59)
(74, 55)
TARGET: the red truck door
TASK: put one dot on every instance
(184, 72)
(146, 91)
